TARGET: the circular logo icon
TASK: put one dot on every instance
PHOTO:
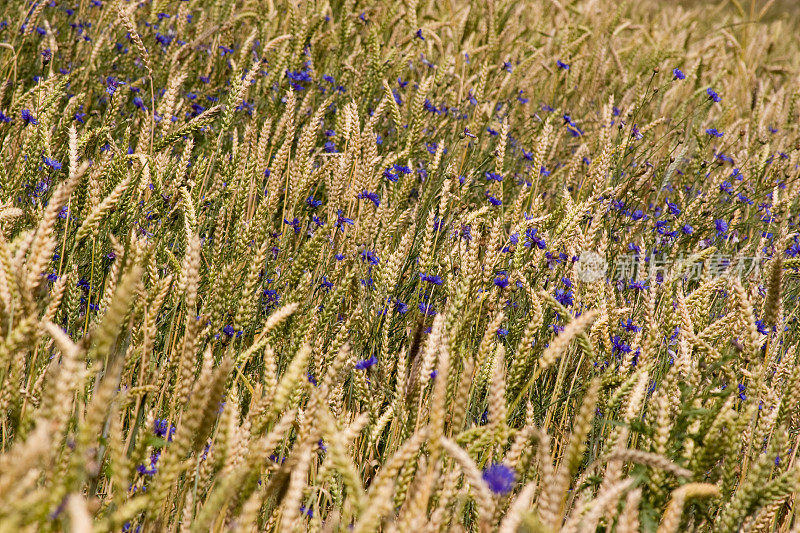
(590, 267)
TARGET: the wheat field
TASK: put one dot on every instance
(433, 265)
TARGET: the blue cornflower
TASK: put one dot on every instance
(712, 95)
(726, 158)
(370, 257)
(726, 186)
(427, 309)
(493, 176)
(562, 65)
(111, 85)
(163, 429)
(721, 226)
(28, 117)
(673, 208)
(493, 200)
(418, 34)
(341, 220)
(143, 470)
(325, 284)
(52, 163)
(371, 196)
(366, 363)
(294, 223)
(501, 281)
(662, 227)
(228, 330)
(564, 297)
(534, 240)
(298, 76)
(390, 176)
(402, 169)
(574, 130)
(431, 278)
(499, 477)
(714, 132)
(619, 346)
(629, 326)
(677, 74)
(164, 40)
(313, 202)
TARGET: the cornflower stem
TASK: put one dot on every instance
(152, 114)
(285, 201)
(91, 286)
(64, 239)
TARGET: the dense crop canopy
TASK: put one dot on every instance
(399, 266)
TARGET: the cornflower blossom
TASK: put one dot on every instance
(499, 478)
